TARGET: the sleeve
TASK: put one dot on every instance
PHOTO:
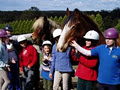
(95, 51)
(83, 51)
(34, 56)
(75, 56)
(3, 57)
(90, 63)
(52, 68)
(20, 61)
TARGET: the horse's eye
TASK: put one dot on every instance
(73, 27)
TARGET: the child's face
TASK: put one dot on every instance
(9, 32)
(46, 49)
(23, 44)
(7, 40)
(110, 42)
(4, 39)
(88, 43)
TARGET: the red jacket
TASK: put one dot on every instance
(87, 68)
(27, 56)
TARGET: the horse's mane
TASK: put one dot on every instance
(54, 25)
(38, 23)
(43, 29)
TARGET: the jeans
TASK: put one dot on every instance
(28, 78)
(47, 84)
(57, 78)
(3, 76)
(85, 84)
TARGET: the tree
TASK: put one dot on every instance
(99, 21)
(108, 22)
(33, 9)
(55, 19)
(92, 16)
(118, 25)
(60, 20)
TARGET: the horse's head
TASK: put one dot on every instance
(76, 25)
(43, 29)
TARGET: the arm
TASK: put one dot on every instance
(14, 37)
(53, 60)
(34, 57)
(80, 49)
(3, 57)
(75, 56)
(20, 61)
(90, 63)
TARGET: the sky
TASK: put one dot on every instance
(46, 5)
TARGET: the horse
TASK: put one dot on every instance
(43, 29)
(77, 23)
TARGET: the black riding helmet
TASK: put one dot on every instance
(8, 28)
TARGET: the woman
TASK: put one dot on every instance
(109, 60)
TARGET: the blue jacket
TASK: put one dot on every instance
(3, 56)
(61, 61)
(109, 64)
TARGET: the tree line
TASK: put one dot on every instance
(22, 21)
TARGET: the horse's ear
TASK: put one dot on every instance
(68, 12)
(77, 13)
(45, 18)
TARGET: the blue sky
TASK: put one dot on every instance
(44, 5)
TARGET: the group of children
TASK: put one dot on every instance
(96, 63)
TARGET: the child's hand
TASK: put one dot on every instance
(13, 60)
(29, 66)
(73, 43)
(21, 71)
(44, 59)
(50, 75)
(8, 69)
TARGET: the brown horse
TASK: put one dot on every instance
(79, 24)
(43, 29)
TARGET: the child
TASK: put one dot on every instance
(3, 61)
(46, 63)
(27, 61)
(87, 68)
(109, 60)
(13, 74)
(61, 64)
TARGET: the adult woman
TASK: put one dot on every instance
(109, 60)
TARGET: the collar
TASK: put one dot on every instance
(113, 47)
